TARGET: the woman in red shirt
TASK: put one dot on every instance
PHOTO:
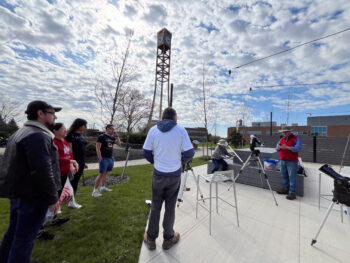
(67, 164)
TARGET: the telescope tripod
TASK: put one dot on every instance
(186, 169)
(330, 207)
(255, 155)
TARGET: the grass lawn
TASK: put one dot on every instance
(106, 229)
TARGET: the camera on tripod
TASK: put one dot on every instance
(253, 142)
(341, 192)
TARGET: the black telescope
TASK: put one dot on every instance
(341, 192)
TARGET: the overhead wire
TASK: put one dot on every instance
(301, 84)
(289, 49)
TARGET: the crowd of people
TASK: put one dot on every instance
(40, 159)
(50, 157)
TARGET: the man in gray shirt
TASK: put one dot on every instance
(219, 154)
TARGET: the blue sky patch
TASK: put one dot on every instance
(36, 53)
(336, 14)
(210, 27)
(295, 10)
(234, 8)
(8, 6)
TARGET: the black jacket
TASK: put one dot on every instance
(30, 167)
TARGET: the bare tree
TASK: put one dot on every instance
(8, 109)
(107, 90)
(134, 108)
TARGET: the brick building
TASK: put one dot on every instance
(325, 126)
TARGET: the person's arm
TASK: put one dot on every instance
(148, 147)
(278, 145)
(297, 147)
(187, 148)
(117, 139)
(98, 150)
(38, 150)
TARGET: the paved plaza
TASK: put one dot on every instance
(266, 233)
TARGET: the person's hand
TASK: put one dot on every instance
(54, 208)
(72, 169)
(284, 147)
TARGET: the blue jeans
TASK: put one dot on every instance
(216, 165)
(289, 175)
(26, 218)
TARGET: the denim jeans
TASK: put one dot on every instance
(26, 218)
(289, 175)
(216, 165)
(164, 189)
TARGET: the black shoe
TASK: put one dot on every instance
(43, 235)
(58, 221)
(283, 191)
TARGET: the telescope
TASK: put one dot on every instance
(341, 192)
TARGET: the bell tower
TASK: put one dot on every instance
(162, 78)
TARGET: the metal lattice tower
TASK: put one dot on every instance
(162, 78)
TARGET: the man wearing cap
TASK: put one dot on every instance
(219, 154)
(29, 177)
(288, 147)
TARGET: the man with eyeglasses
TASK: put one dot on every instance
(29, 177)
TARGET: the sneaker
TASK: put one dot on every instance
(43, 235)
(58, 221)
(105, 189)
(149, 243)
(74, 205)
(291, 196)
(169, 243)
(283, 191)
(96, 194)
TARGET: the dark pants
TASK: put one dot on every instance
(164, 188)
(216, 165)
(77, 176)
(26, 218)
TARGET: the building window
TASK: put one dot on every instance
(254, 132)
(300, 133)
(318, 131)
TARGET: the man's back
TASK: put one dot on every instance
(167, 140)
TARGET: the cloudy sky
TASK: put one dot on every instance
(55, 50)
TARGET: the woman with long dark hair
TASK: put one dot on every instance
(78, 145)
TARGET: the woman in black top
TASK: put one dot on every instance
(78, 145)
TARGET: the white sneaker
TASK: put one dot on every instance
(96, 194)
(74, 205)
(105, 189)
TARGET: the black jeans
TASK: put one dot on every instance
(26, 218)
(216, 165)
(77, 176)
(164, 188)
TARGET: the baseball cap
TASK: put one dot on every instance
(36, 105)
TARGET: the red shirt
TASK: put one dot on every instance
(65, 155)
(286, 154)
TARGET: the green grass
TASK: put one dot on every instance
(106, 229)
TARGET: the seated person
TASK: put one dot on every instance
(219, 155)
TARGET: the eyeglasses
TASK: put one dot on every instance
(51, 112)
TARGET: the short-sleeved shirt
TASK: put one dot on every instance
(167, 147)
(107, 142)
(78, 146)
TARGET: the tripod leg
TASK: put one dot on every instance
(241, 170)
(314, 240)
(195, 179)
(182, 186)
(267, 180)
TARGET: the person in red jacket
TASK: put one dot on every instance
(288, 147)
(68, 166)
